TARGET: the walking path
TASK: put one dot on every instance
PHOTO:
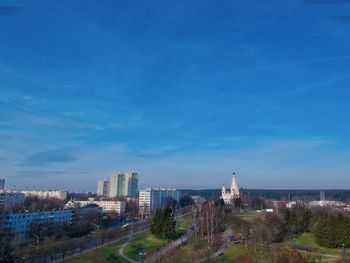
(121, 252)
(163, 251)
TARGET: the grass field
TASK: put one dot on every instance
(230, 253)
(182, 224)
(107, 254)
(149, 242)
(145, 241)
(308, 240)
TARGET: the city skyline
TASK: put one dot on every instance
(181, 92)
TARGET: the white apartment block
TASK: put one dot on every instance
(107, 206)
(59, 194)
(121, 184)
(152, 198)
(103, 187)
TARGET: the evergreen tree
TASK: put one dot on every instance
(156, 225)
(163, 223)
(168, 227)
(333, 231)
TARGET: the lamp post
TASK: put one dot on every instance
(142, 256)
(38, 238)
(208, 254)
(343, 250)
(293, 242)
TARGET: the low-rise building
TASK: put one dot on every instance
(152, 198)
(107, 206)
(19, 222)
(197, 199)
(59, 194)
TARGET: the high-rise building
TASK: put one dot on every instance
(132, 183)
(2, 184)
(113, 191)
(124, 184)
(103, 188)
(152, 198)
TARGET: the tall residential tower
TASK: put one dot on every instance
(103, 187)
(121, 184)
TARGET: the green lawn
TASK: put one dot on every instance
(182, 224)
(308, 240)
(149, 242)
(230, 253)
(145, 241)
(107, 254)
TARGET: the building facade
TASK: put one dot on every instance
(152, 198)
(107, 206)
(233, 193)
(10, 197)
(19, 222)
(103, 187)
(2, 184)
(122, 184)
(59, 194)
(132, 184)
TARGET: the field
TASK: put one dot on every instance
(182, 224)
(308, 240)
(145, 241)
(149, 242)
(107, 254)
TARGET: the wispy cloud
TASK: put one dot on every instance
(45, 158)
(37, 174)
(161, 151)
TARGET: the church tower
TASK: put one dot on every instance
(234, 186)
(223, 190)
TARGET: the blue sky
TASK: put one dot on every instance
(184, 92)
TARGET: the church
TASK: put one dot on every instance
(233, 194)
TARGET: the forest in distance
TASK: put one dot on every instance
(283, 194)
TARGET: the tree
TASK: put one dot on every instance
(333, 231)
(168, 226)
(7, 254)
(156, 224)
(186, 200)
(305, 221)
(276, 226)
(163, 223)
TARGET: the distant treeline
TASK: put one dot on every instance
(277, 194)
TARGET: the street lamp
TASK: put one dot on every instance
(293, 242)
(142, 256)
(343, 250)
(38, 238)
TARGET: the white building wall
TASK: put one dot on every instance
(152, 198)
